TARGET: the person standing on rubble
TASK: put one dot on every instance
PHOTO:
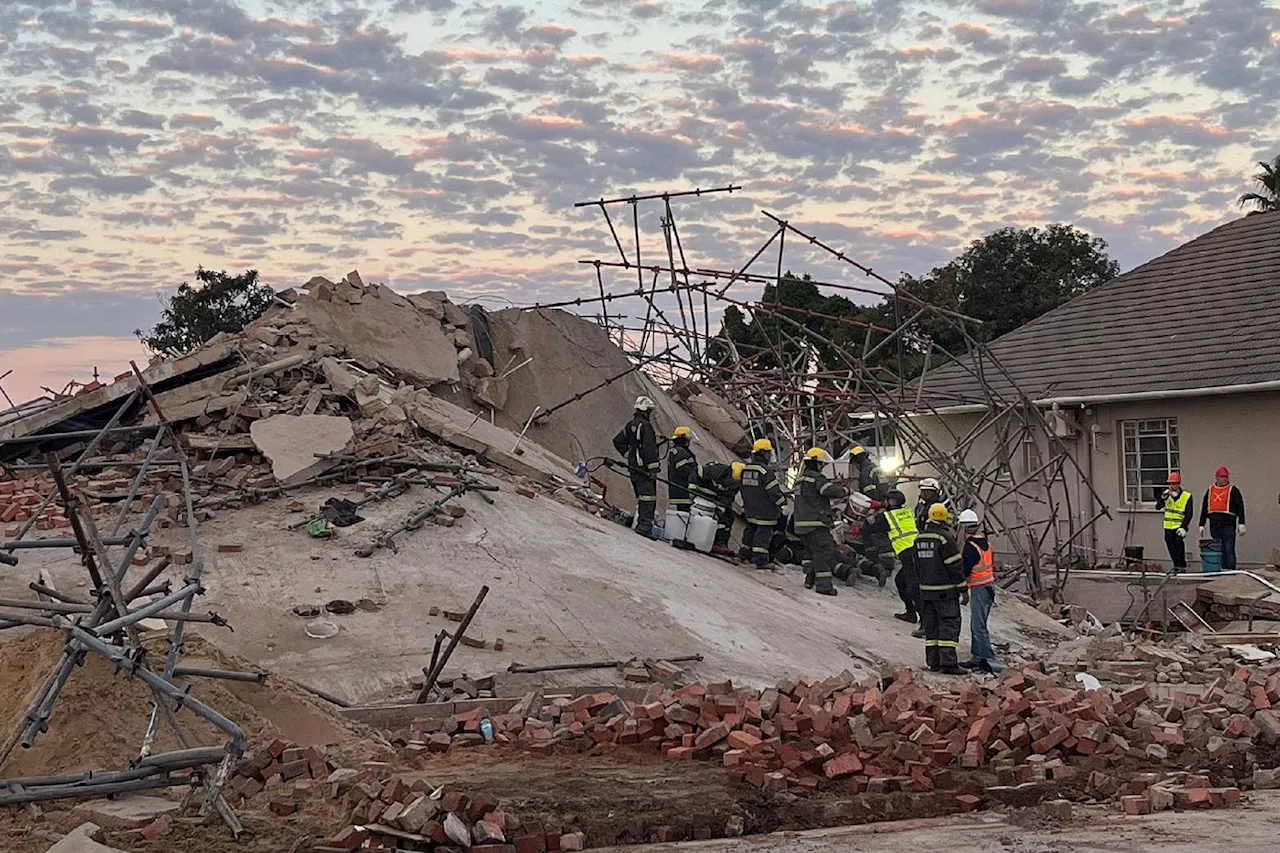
(762, 502)
(813, 520)
(1223, 507)
(980, 572)
(1177, 506)
(942, 590)
(638, 445)
(718, 483)
(681, 466)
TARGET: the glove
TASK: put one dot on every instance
(1202, 531)
(1242, 530)
(964, 596)
(1182, 533)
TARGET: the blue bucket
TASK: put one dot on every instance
(1211, 557)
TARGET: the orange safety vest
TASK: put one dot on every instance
(985, 572)
(1220, 498)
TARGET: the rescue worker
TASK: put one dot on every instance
(1223, 507)
(762, 502)
(930, 494)
(638, 445)
(942, 591)
(868, 475)
(979, 566)
(718, 483)
(894, 532)
(1178, 511)
(813, 519)
(681, 466)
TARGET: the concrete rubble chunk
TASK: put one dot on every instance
(291, 443)
(340, 379)
(430, 302)
(492, 392)
(81, 840)
(457, 830)
(129, 812)
(461, 428)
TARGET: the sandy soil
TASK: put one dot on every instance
(565, 586)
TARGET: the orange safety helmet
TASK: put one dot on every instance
(1175, 479)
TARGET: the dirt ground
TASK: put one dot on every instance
(559, 579)
(1091, 830)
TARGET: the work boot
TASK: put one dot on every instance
(952, 670)
(908, 616)
(918, 634)
(969, 664)
(828, 590)
(808, 583)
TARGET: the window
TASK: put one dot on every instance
(1150, 455)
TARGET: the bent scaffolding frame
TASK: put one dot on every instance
(796, 400)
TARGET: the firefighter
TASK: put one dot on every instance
(638, 445)
(1178, 511)
(762, 502)
(718, 483)
(942, 591)
(813, 519)
(681, 466)
(868, 476)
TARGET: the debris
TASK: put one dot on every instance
(293, 442)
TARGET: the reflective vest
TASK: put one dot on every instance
(985, 572)
(1175, 509)
(902, 529)
(1220, 499)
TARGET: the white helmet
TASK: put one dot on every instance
(930, 483)
(645, 404)
(970, 517)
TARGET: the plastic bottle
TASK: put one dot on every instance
(486, 728)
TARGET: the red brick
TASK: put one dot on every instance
(349, 839)
(474, 642)
(712, 736)
(526, 493)
(1258, 694)
(667, 834)
(968, 802)
(531, 844)
(1135, 805)
(842, 765)
(742, 740)
(283, 808)
(680, 753)
(498, 645)
(1189, 798)
(230, 547)
(10, 512)
(1268, 723)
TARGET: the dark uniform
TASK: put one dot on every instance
(681, 466)
(928, 498)
(942, 579)
(762, 502)
(714, 482)
(868, 477)
(813, 520)
(638, 445)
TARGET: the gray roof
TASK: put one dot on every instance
(1205, 315)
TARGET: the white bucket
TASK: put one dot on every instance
(701, 533)
(702, 506)
(675, 525)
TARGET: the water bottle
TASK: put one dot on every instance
(486, 728)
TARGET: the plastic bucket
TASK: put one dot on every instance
(702, 506)
(1211, 557)
(675, 524)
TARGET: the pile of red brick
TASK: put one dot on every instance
(902, 735)
(387, 811)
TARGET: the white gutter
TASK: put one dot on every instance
(1127, 397)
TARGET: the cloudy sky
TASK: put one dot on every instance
(442, 143)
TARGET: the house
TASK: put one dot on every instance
(1174, 366)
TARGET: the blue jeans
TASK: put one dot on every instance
(981, 599)
(1226, 534)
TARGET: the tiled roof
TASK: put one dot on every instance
(1205, 315)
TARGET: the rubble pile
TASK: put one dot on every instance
(1179, 659)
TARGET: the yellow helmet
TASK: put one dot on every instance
(816, 453)
(857, 450)
(762, 444)
(737, 470)
(682, 432)
(939, 512)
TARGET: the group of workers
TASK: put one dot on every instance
(940, 566)
(1222, 509)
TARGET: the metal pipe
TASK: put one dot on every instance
(681, 194)
(41, 589)
(137, 482)
(145, 581)
(80, 433)
(40, 795)
(106, 629)
(225, 674)
(26, 544)
(193, 757)
(453, 644)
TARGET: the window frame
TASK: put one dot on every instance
(1134, 428)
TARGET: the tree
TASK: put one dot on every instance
(1268, 180)
(193, 315)
(1006, 280)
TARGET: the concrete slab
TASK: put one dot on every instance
(291, 442)
(80, 840)
(461, 428)
(129, 812)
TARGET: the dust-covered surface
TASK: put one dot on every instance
(100, 717)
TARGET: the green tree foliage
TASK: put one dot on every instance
(218, 303)
(1267, 198)
(1007, 279)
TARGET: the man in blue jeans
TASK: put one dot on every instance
(979, 568)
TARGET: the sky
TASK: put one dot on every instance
(441, 144)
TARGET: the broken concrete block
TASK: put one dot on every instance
(340, 379)
(291, 443)
(430, 302)
(492, 392)
(81, 840)
(457, 830)
(129, 812)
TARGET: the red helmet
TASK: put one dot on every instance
(1175, 479)
(1222, 471)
